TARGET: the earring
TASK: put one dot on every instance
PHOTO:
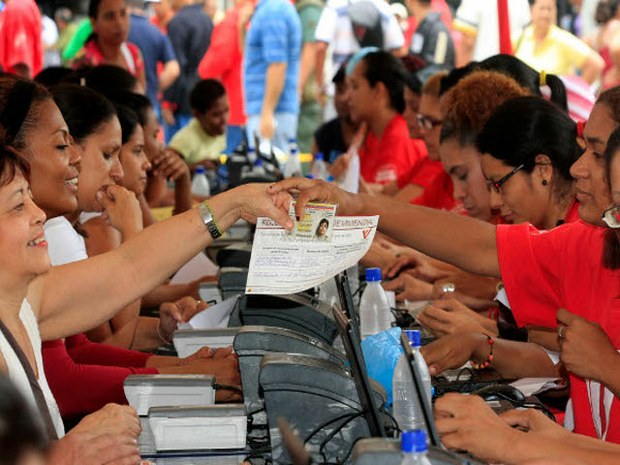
(544, 182)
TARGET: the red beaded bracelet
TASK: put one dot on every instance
(487, 362)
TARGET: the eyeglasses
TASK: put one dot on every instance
(611, 216)
(427, 122)
(498, 184)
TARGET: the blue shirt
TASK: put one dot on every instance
(155, 48)
(274, 37)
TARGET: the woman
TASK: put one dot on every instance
(108, 43)
(467, 108)
(85, 376)
(574, 267)
(51, 301)
(528, 147)
(544, 46)
(376, 98)
(545, 438)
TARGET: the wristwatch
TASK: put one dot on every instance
(208, 220)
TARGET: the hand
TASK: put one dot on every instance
(340, 165)
(181, 311)
(267, 125)
(257, 200)
(105, 449)
(449, 316)
(168, 116)
(452, 351)
(409, 288)
(209, 353)
(111, 419)
(316, 191)
(170, 165)
(536, 422)
(121, 208)
(467, 423)
(585, 349)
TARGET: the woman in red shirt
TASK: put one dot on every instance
(575, 267)
(376, 80)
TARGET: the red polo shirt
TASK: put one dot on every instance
(562, 268)
(20, 35)
(391, 157)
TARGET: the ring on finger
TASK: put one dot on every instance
(561, 331)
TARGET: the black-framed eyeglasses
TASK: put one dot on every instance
(611, 216)
(498, 184)
(427, 122)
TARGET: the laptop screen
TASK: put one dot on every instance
(427, 408)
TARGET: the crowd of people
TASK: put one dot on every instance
(486, 135)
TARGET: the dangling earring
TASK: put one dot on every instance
(544, 182)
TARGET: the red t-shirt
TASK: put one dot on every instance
(424, 173)
(223, 61)
(391, 157)
(85, 376)
(20, 36)
(562, 268)
(91, 55)
(439, 195)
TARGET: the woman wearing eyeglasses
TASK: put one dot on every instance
(574, 268)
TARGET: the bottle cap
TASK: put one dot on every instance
(258, 162)
(319, 156)
(310, 176)
(330, 178)
(413, 441)
(373, 274)
(200, 170)
(414, 336)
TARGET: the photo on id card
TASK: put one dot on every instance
(317, 223)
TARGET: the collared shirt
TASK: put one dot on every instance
(195, 145)
(274, 36)
(559, 53)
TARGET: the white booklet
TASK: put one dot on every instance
(283, 263)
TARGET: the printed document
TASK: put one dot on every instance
(283, 263)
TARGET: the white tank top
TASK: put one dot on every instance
(18, 375)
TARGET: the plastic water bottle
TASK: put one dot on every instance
(375, 313)
(414, 448)
(407, 408)
(293, 165)
(319, 169)
(200, 183)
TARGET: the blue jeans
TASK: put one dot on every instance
(286, 129)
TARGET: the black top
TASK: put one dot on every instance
(329, 140)
(433, 43)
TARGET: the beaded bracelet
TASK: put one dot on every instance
(159, 333)
(487, 362)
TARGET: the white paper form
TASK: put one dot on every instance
(213, 317)
(283, 264)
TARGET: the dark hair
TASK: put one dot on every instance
(611, 99)
(104, 79)
(341, 74)
(83, 109)
(472, 102)
(205, 93)
(324, 221)
(518, 70)
(384, 67)
(129, 121)
(19, 431)
(611, 248)
(139, 103)
(525, 127)
(18, 100)
(93, 8)
(52, 75)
